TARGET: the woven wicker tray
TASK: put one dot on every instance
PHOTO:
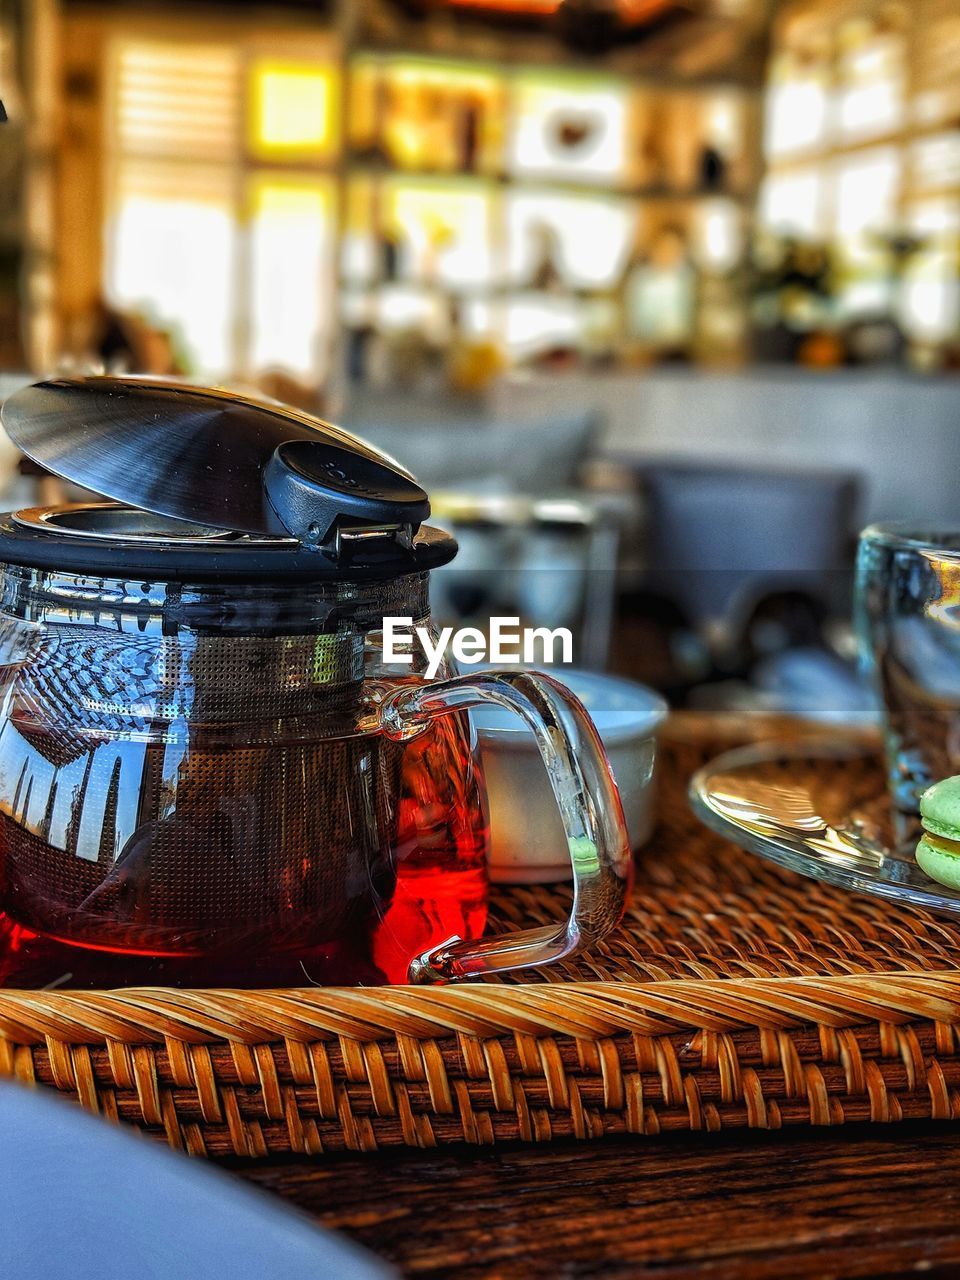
(733, 995)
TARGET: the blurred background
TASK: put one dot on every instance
(660, 298)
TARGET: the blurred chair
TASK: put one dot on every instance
(474, 453)
(721, 540)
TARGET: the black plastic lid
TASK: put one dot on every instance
(214, 458)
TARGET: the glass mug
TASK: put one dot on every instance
(227, 785)
(908, 623)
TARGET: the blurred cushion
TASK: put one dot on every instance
(84, 1199)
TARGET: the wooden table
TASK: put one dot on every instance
(810, 1203)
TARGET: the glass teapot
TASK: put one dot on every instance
(209, 773)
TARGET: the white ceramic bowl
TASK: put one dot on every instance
(527, 844)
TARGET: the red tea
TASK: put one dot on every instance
(197, 861)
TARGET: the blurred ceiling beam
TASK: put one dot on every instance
(322, 10)
(667, 40)
(533, 8)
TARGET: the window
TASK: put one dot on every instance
(792, 203)
(175, 100)
(234, 261)
(871, 73)
(171, 245)
(797, 112)
(930, 305)
(935, 161)
(290, 251)
(865, 193)
(866, 186)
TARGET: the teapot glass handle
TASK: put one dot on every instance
(589, 804)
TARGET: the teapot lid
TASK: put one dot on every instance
(214, 458)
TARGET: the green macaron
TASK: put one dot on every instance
(938, 853)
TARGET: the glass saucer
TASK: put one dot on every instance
(819, 808)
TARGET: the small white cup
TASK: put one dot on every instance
(527, 844)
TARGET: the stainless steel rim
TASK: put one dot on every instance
(58, 520)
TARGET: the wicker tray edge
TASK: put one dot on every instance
(586, 1010)
(252, 1074)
